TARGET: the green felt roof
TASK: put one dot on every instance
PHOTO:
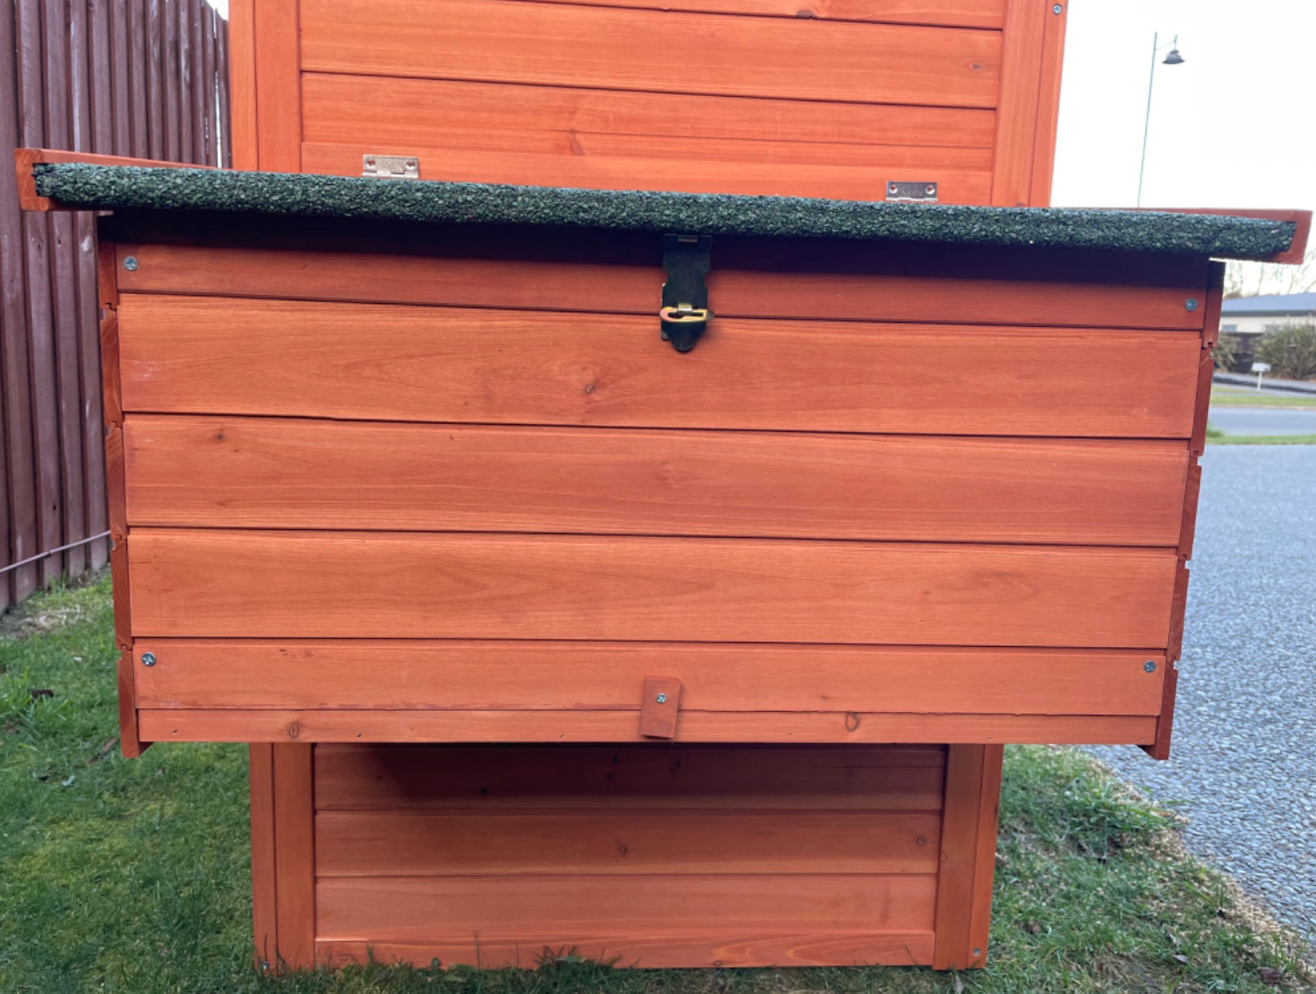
(109, 187)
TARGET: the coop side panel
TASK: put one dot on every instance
(660, 856)
(810, 520)
(832, 99)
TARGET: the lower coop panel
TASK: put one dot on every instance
(647, 855)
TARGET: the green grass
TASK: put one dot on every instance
(1217, 437)
(132, 875)
(1244, 397)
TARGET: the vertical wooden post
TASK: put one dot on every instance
(264, 904)
(1025, 123)
(282, 857)
(968, 856)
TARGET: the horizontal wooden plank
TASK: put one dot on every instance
(574, 676)
(435, 909)
(612, 273)
(953, 13)
(452, 778)
(672, 950)
(356, 110)
(416, 844)
(717, 167)
(616, 48)
(198, 583)
(276, 473)
(235, 356)
(620, 726)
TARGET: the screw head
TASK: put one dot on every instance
(148, 658)
(1150, 666)
(662, 698)
(130, 263)
(1057, 9)
(1190, 304)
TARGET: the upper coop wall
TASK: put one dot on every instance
(819, 98)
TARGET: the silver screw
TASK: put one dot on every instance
(1057, 9)
(148, 658)
(662, 698)
(977, 952)
(1190, 304)
(264, 965)
(130, 263)
(1150, 666)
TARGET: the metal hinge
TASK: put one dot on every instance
(390, 166)
(911, 193)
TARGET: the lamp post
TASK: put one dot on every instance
(1173, 59)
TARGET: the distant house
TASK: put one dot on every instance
(1246, 319)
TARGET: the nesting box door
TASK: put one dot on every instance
(824, 99)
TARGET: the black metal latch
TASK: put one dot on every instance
(685, 310)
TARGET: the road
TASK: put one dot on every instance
(1264, 420)
(1244, 747)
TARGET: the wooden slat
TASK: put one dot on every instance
(654, 952)
(353, 109)
(232, 356)
(721, 167)
(536, 777)
(430, 909)
(154, 49)
(613, 48)
(952, 13)
(621, 726)
(294, 852)
(242, 83)
(611, 273)
(172, 85)
(276, 473)
(1016, 121)
(196, 583)
(415, 844)
(1048, 105)
(276, 29)
(572, 676)
(984, 864)
(264, 911)
(965, 770)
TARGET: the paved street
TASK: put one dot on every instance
(1245, 732)
(1264, 420)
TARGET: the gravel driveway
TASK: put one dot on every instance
(1244, 747)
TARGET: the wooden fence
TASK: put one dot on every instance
(146, 78)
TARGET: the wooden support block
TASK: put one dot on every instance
(659, 707)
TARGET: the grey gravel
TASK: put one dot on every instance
(1244, 747)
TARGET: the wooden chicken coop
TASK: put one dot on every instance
(651, 558)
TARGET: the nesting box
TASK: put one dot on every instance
(559, 620)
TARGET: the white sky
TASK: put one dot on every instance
(1233, 126)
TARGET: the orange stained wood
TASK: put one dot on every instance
(294, 851)
(466, 114)
(264, 888)
(830, 281)
(594, 906)
(403, 585)
(248, 725)
(669, 949)
(275, 473)
(723, 167)
(964, 883)
(576, 676)
(406, 843)
(954, 13)
(517, 778)
(618, 48)
(386, 362)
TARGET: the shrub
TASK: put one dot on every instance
(1290, 351)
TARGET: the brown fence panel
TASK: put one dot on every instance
(123, 77)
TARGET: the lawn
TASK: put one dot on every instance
(132, 875)
(1222, 396)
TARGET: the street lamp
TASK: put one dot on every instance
(1173, 59)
